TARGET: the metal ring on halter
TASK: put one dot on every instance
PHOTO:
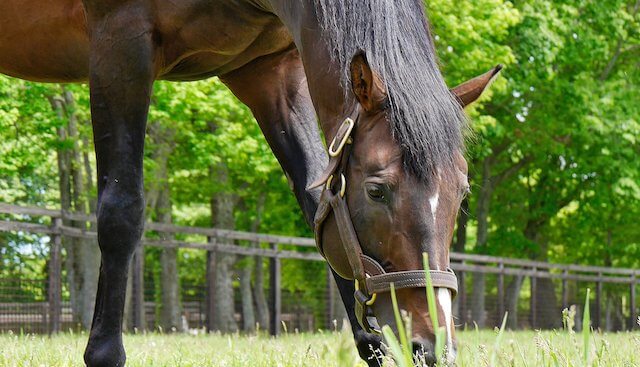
(343, 187)
(347, 135)
(371, 300)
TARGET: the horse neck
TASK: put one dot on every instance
(324, 74)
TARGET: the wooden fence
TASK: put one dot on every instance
(277, 248)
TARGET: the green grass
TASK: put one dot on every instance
(476, 348)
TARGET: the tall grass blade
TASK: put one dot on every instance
(394, 347)
(586, 329)
(439, 332)
(406, 354)
(496, 345)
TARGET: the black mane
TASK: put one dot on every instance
(425, 119)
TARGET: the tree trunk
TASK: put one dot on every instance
(547, 307)
(64, 184)
(608, 315)
(262, 307)
(159, 201)
(488, 183)
(248, 314)
(478, 313)
(92, 254)
(222, 217)
(511, 302)
(547, 310)
(461, 227)
(86, 261)
(482, 211)
(78, 206)
(259, 296)
(245, 269)
(170, 310)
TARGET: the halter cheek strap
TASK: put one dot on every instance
(370, 277)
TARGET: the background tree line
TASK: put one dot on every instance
(552, 154)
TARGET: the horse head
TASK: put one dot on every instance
(377, 215)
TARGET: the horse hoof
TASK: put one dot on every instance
(105, 351)
(368, 346)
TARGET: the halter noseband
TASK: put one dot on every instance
(370, 277)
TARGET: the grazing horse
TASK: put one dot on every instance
(365, 69)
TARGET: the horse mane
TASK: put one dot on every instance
(425, 119)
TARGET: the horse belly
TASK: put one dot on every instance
(213, 37)
(48, 41)
(44, 40)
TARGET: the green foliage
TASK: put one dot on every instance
(566, 105)
(556, 137)
(28, 132)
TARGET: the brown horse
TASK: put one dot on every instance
(293, 62)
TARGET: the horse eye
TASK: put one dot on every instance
(375, 192)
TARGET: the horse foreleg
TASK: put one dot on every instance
(275, 89)
(120, 83)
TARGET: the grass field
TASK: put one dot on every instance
(523, 348)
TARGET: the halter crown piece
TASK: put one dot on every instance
(370, 277)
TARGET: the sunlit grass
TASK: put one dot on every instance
(517, 348)
(475, 348)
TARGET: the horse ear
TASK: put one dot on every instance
(469, 91)
(366, 84)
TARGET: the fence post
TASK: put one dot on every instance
(500, 292)
(596, 319)
(55, 275)
(275, 294)
(534, 300)
(632, 301)
(210, 290)
(137, 288)
(565, 290)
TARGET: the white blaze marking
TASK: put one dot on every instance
(433, 201)
(444, 298)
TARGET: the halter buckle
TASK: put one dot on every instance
(348, 122)
(372, 298)
(343, 184)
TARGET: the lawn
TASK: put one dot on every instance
(522, 348)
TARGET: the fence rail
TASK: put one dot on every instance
(219, 240)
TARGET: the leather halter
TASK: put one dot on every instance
(370, 277)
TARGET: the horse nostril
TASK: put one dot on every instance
(423, 351)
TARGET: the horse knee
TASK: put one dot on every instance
(120, 220)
